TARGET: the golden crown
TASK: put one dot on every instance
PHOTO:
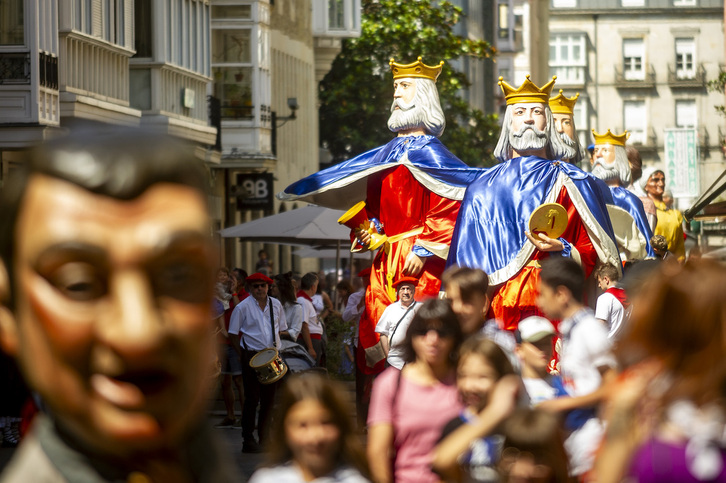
(563, 105)
(528, 92)
(416, 69)
(611, 138)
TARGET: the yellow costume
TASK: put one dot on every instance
(670, 225)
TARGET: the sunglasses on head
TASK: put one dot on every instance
(258, 285)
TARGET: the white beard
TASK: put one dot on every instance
(570, 146)
(407, 116)
(605, 173)
(528, 138)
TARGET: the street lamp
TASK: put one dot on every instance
(293, 105)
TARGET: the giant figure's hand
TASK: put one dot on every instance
(413, 266)
(545, 243)
(364, 238)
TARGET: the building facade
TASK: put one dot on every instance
(66, 63)
(267, 59)
(643, 65)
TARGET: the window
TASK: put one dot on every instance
(11, 22)
(685, 58)
(684, 3)
(633, 3)
(634, 120)
(568, 57)
(142, 28)
(336, 14)
(686, 113)
(232, 61)
(503, 20)
(333, 18)
(233, 88)
(564, 3)
(633, 59)
(84, 16)
(231, 46)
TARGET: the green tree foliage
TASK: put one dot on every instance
(718, 85)
(356, 94)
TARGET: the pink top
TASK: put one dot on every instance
(418, 414)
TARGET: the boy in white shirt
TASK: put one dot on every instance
(586, 360)
(612, 306)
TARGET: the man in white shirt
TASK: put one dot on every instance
(308, 287)
(395, 320)
(255, 325)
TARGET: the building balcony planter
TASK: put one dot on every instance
(678, 80)
(624, 81)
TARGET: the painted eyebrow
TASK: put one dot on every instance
(70, 250)
(94, 254)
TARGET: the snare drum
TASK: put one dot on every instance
(268, 365)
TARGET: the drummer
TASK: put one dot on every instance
(255, 325)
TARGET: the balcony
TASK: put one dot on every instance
(695, 79)
(646, 142)
(630, 80)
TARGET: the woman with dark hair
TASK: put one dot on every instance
(313, 437)
(410, 407)
(284, 291)
(670, 403)
(343, 289)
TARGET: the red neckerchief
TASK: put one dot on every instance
(619, 294)
(301, 293)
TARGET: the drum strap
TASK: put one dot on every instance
(272, 325)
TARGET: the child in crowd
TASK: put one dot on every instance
(533, 449)
(314, 437)
(469, 443)
(587, 364)
(612, 306)
(534, 349)
(466, 290)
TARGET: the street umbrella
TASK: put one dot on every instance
(327, 253)
(310, 225)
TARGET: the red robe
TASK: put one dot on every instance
(402, 204)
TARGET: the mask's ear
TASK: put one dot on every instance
(8, 326)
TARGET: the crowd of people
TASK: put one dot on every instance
(594, 397)
(477, 353)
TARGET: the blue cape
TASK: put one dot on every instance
(630, 202)
(495, 211)
(429, 161)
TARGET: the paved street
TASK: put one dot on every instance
(247, 463)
